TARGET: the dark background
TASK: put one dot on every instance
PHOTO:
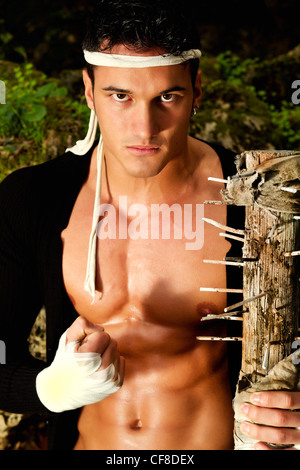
(50, 31)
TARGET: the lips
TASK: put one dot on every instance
(143, 149)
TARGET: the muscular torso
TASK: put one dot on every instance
(175, 393)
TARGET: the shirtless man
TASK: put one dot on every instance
(176, 393)
(175, 390)
(151, 302)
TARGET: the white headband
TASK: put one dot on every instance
(133, 61)
(83, 146)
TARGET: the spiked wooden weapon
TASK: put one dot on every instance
(267, 183)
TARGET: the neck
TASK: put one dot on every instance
(164, 185)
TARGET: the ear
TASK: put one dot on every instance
(89, 95)
(198, 90)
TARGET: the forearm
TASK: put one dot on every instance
(17, 390)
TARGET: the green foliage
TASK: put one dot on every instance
(233, 69)
(286, 124)
(25, 109)
(39, 119)
(269, 88)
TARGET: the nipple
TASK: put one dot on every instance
(206, 308)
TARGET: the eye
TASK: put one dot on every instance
(168, 98)
(120, 97)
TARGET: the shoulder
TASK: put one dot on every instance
(44, 180)
(41, 172)
(213, 154)
(37, 197)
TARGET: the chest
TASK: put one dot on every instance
(149, 261)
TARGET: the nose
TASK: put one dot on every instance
(145, 123)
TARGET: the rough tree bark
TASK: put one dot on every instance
(271, 322)
(268, 185)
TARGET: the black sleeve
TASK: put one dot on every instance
(20, 296)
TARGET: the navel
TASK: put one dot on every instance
(136, 425)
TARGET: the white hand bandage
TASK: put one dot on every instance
(73, 379)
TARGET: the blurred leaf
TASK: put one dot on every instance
(6, 37)
(51, 90)
(36, 112)
(60, 92)
(21, 50)
(45, 90)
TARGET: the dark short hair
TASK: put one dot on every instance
(142, 24)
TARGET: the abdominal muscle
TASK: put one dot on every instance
(167, 402)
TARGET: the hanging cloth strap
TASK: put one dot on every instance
(81, 148)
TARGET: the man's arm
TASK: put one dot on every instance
(277, 412)
(87, 368)
(20, 299)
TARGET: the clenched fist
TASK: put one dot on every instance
(86, 369)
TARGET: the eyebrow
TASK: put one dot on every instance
(123, 90)
(116, 89)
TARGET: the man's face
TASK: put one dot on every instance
(143, 113)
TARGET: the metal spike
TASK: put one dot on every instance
(218, 289)
(228, 263)
(227, 235)
(292, 253)
(245, 301)
(221, 317)
(218, 180)
(289, 190)
(216, 203)
(218, 338)
(224, 227)
(239, 259)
